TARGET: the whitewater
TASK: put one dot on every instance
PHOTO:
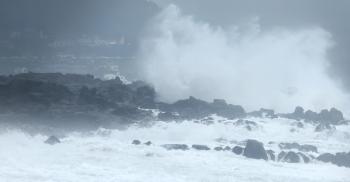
(107, 155)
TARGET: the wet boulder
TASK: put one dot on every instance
(326, 157)
(200, 147)
(291, 157)
(342, 159)
(237, 150)
(218, 149)
(249, 125)
(281, 155)
(255, 150)
(52, 140)
(148, 143)
(339, 159)
(175, 146)
(271, 155)
(136, 142)
(305, 158)
(227, 148)
(303, 148)
(323, 126)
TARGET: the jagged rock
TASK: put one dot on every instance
(291, 157)
(227, 148)
(300, 125)
(52, 140)
(339, 159)
(249, 125)
(326, 157)
(269, 113)
(304, 148)
(305, 158)
(148, 143)
(218, 148)
(175, 146)
(168, 116)
(311, 116)
(237, 150)
(193, 108)
(332, 116)
(322, 127)
(281, 155)
(200, 147)
(255, 150)
(342, 159)
(136, 142)
(271, 155)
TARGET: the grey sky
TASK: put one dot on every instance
(293, 14)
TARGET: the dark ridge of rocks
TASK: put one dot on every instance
(200, 147)
(341, 159)
(269, 113)
(193, 108)
(255, 150)
(57, 97)
(175, 146)
(52, 140)
(136, 142)
(303, 148)
(238, 150)
(332, 116)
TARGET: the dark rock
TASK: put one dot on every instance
(52, 140)
(304, 148)
(291, 157)
(281, 155)
(200, 147)
(333, 116)
(175, 146)
(193, 108)
(300, 125)
(218, 148)
(322, 127)
(326, 157)
(305, 158)
(148, 143)
(168, 116)
(255, 150)
(136, 142)
(249, 125)
(227, 148)
(271, 155)
(311, 116)
(308, 148)
(237, 150)
(340, 159)
(269, 113)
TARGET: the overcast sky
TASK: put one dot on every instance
(292, 14)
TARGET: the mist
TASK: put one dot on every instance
(278, 68)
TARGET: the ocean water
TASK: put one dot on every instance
(108, 155)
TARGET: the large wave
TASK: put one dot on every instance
(277, 68)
